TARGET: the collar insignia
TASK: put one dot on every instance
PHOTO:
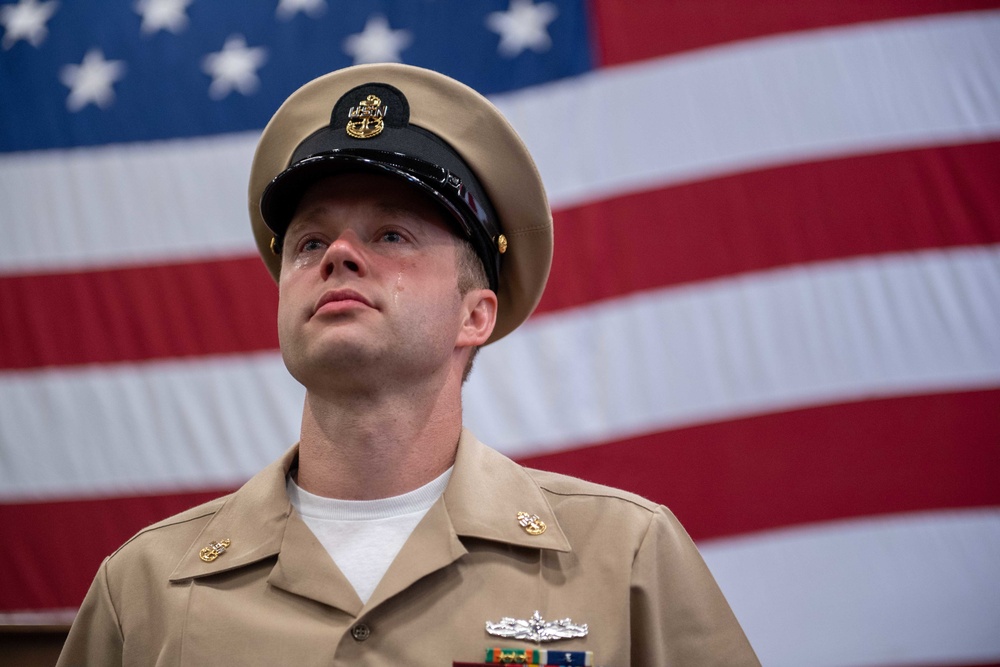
(214, 550)
(531, 523)
(365, 120)
(536, 629)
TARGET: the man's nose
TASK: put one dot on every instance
(344, 254)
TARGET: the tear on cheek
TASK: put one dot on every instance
(303, 261)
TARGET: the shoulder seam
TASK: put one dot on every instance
(162, 524)
(647, 505)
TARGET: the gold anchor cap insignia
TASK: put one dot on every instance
(531, 523)
(365, 120)
(214, 550)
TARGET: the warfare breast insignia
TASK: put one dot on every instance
(536, 629)
(366, 120)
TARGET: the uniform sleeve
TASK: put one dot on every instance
(95, 638)
(679, 615)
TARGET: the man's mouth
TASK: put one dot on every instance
(340, 300)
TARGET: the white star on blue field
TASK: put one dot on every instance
(143, 70)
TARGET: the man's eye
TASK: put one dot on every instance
(392, 237)
(312, 245)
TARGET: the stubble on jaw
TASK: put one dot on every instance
(371, 352)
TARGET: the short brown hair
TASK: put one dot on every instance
(471, 275)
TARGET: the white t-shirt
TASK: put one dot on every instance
(364, 536)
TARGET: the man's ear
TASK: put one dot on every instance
(480, 318)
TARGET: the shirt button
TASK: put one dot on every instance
(361, 632)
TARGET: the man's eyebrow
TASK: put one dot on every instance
(300, 220)
(310, 215)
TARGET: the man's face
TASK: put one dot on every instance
(368, 283)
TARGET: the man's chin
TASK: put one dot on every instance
(332, 360)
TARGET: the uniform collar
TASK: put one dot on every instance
(486, 492)
(482, 500)
(253, 519)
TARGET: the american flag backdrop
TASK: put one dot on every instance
(774, 305)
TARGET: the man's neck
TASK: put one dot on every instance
(377, 445)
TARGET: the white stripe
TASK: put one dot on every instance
(126, 204)
(778, 100)
(163, 427)
(44, 617)
(898, 590)
(765, 342)
(839, 331)
(805, 96)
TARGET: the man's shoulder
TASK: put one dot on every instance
(262, 495)
(168, 533)
(565, 486)
(586, 510)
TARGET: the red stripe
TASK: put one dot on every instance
(832, 462)
(138, 313)
(930, 198)
(894, 455)
(651, 28)
(891, 202)
(61, 544)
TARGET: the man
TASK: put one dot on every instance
(406, 226)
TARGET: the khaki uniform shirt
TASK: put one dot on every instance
(609, 559)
